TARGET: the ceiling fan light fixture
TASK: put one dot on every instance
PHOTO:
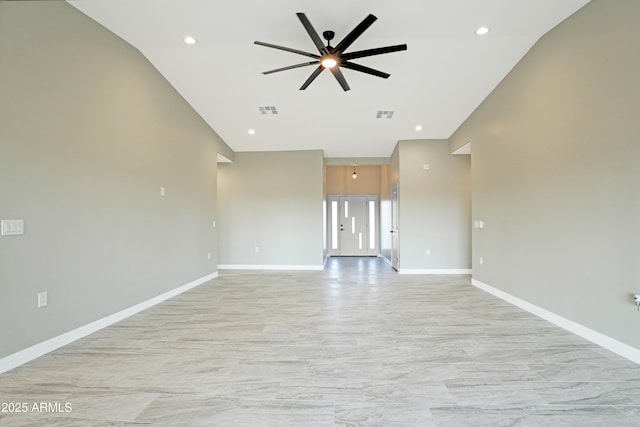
(329, 62)
(355, 175)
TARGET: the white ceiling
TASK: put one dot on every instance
(443, 76)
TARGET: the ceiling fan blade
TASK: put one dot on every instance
(355, 33)
(363, 69)
(312, 77)
(287, 49)
(371, 52)
(340, 78)
(290, 67)
(312, 33)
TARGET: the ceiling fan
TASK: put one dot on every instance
(333, 58)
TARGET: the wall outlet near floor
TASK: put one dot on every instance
(257, 249)
(481, 261)
(162, 191)
(208, 255)
(428, 252)
(42, 299)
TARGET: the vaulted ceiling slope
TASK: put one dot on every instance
(443, 76)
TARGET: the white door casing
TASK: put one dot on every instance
(395, 255)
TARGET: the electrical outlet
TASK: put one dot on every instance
(481, 261)
(257, 249)
(428, 252)
(208, 255)
(162, 191)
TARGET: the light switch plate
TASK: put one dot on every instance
(12, 227)
(43, 299)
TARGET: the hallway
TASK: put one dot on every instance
(355, 344)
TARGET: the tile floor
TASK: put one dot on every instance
(355, 344)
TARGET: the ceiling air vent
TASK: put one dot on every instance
(268, 110)
(384, 114)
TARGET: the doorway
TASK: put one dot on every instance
(395, 256)
(353, 225)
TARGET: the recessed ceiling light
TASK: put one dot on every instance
(418, 128)
(251, 132)
(482, 31)
(189, 40)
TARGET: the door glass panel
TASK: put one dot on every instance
(372, 224)
(334, 224)
(346, 209)
(353, 225)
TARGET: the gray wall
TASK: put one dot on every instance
(434, 207)
(89, 132)
(556, 172)
(272, 200)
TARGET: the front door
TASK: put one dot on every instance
(353, 226)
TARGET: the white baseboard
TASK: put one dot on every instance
(436, 271)
(602, 340)
(14, 360)
(386, 260)
(269, 267)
